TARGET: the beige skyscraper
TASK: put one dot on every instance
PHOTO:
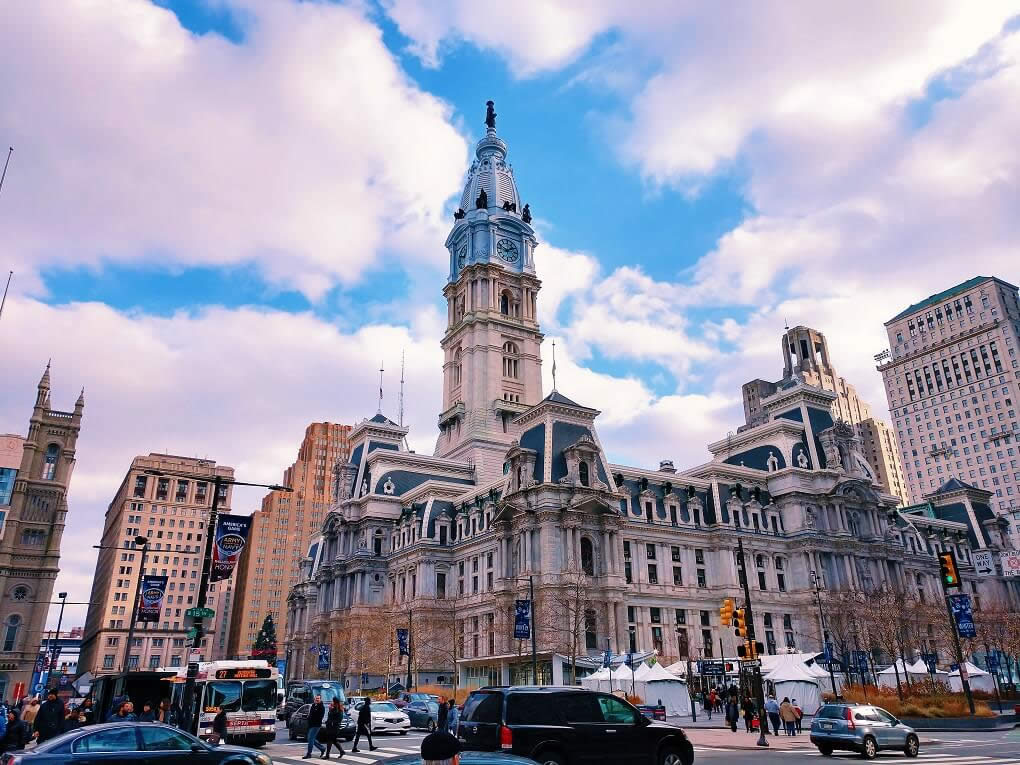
(280, 533)
(806, 359)
(951, 380)
(172, 513)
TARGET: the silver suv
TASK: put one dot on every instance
(861, 728)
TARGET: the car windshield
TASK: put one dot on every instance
(384, 706)
(258, 695)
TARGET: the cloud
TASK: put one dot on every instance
(237, 386)
(305, 150)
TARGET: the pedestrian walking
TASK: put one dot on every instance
(800, 715)
(364, 726)
(29, 712)
(315, 715)
(444, 709)
(772, 707)
(49, 722)
(16, 735)
(219, 726)
(749, 710)
(732, 712)
(788, 716)
(334, 722)
(706, 704)
(147, 714)
(453, 718)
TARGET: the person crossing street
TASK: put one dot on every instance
(364, 726)
(315, 715)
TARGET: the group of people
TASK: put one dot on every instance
(31, 720)
(124, 711)
(449, 717)
(788, 712)
(334, 723)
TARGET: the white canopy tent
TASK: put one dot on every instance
(917, 673)
(792, 678)
(978, 679)
(659, 686)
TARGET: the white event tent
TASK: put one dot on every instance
(978, 679)
(663, 687)
(793, 679)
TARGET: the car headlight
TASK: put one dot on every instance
(263, 759)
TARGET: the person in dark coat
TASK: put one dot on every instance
(125, 713)
(219, 726)
(315, 715)
(444, 710)
(732, 712)
(49, 722)
(749, 710)
(16, 735)
(166, 713)
(334, 722)
(364, 726)
(147, 714)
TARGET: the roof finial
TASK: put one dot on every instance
(786, 323)
(400, 408)
(490, 115)
(379, 411)
(554, 365)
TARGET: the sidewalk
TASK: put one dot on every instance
(720, 738)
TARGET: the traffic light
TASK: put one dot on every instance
(726, 612)
(947, 564)
(741, 630)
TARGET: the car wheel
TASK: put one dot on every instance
(870, 749)
(671, 757)
(432, 726)
(825, 750)
(912, 747)
(550, 758)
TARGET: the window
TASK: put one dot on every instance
(587, 556)
(616, 712)
(653, 574)
(50, 465)
(655, 614)
(699, 557)
(705, 617)
(702, 580)
(650, 552)
(163, 740)
(582, 473)
(11, 632)
(628, 573)
(678, 576)
(111, 740)
(511, 368)
(140, 482)
(504, 303)
(590, 630)
(108, 661)
(440, 585)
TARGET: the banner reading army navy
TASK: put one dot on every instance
(153, 590)
(231, 538)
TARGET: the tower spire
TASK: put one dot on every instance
(44, 382)
(379, 410)
(400, 400)
(554, 365)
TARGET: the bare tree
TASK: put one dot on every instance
(568, 610)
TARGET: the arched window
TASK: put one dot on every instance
(582, 473)
(456, 367)
(587, 557)
(504, 303)
(11, 632)
(377, 548)
(50, 466)
(511, 363)
(590, 629)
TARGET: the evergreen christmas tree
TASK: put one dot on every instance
(265, 642)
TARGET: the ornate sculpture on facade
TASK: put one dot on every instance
(490, 115)
(802, 459)
(389, 486)
(526, 214)
(459, 214)
(482, 203)
(772, 462)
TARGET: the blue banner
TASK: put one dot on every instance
(861, 658)
(324, 656)
(231, 539)
(962, 615)
(151, 598)
(930, 660)
(402, 639)
(607, 659)
(828, 652)
(522, 619)
(991, 662)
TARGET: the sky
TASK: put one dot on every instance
(224, 215)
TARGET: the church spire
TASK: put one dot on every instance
(42, 396)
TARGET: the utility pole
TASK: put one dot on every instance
(408, 649)
(3, 301)
(821, 626)
(142, 542)
(60, 621)
(534, 640)
(951, 579)
(749, 615)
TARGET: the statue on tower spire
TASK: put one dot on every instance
(490, 115)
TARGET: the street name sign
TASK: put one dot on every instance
(200, 613)
(711, 668)
(750, 663)
(1010, 563)
(984, 563)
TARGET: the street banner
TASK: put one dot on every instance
(231, 538)
(861, 659)
(930, 660)
(1010, 563)
(828, 653)
(522, 619)
(323, 656)
(607, 659)
(962, 615)
(402, 635)
(984, 563)
(152, 591)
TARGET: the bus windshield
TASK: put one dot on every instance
(259, 695)
(225, 694)
(328, 691)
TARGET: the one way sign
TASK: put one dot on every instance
(984, 564)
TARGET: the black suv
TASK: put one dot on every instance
(569, 726)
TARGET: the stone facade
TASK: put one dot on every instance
(31, 531)
(620, 557)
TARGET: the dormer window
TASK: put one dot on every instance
(583, 474)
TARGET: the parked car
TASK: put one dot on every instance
(470, 758)
(297, 725)
(406, 697)
(301, 692)
(153, 743)
(569, 725)
(861, 728)
(423, 714)
(387, 718)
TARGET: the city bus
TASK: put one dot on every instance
(246, 690)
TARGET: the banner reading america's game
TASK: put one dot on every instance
(231, 538)
(153, 589)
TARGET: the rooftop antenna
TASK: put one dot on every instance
(10, 151)
(400, 400)
(380, 388)
(786, 322)
(554, 365)
(10, 275)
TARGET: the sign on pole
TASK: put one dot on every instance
(522, 619)
(402, 641)
(231, 538)
(153, 589)
(960, 606)
(324, 657)
(1010, 563)
(984, 563)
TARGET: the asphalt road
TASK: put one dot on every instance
(999, 748)
(390, 745)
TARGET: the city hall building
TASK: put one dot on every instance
(519, 492)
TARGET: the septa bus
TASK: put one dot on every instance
(246, 690)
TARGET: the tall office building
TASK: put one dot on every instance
(172, 513)
(280, 532)
(35, 474)
(806, 359)
(952, 384)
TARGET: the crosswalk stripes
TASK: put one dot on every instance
(292, 755)
(936, 758)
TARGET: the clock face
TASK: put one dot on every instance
(507, 250)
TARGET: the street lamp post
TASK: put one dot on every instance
(142, 542)
(685, 651)
(60, 621)
(749, 616)
(821, 626)
(534, 638)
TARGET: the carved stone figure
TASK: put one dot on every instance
(490, 115)
(526, 214)
(459, 215)
(364, 487)
(772, 463)
(389, 486)
(802, 459)
(482, 202)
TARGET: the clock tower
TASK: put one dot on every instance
(492, 346)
